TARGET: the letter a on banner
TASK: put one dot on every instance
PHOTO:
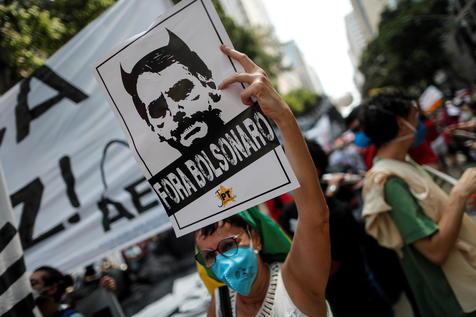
(206, 155)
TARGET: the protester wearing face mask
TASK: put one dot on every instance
(406, 211)
(461, 136)
(49, 286)
(264, 273)
(420, 151)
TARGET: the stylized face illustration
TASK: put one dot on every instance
(177, 104)
(174, 93)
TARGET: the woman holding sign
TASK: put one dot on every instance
(243, 251)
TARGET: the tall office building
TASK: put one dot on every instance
(300, 74)
(361, 27)
(247, 13)
(368, 13)
(236, 10)
(252, 13)
(356, 37)
(257, 13)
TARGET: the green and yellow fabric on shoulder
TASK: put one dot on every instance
(276, 244)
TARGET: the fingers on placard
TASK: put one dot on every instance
(246, 95)
(250, 94)
(242, 58)
(236, 78)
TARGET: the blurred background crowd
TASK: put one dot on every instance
(360, 282)
(425, 48)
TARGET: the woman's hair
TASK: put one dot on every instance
(234, 220)
(378, 115)
(319, 157)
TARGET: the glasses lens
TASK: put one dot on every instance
(208, 258)
(228, 246)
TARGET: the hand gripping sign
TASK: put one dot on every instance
(206, 155)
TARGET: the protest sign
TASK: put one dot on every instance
(75, 187)
(206, 155)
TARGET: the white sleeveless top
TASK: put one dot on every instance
(277, 302)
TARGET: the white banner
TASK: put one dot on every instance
(206, 154)
(76, 189)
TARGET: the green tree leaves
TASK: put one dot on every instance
(301, 101)
(258, 44)
(408, 50)
(32, 30)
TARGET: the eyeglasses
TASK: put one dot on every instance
(228, 245)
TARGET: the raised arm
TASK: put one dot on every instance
(437, 247)
(306, 270)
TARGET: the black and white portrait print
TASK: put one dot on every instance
(174, 93)
(190, 138)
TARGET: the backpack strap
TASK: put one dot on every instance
(224, 302)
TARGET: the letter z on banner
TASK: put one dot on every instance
(206, 155)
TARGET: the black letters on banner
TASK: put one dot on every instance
(2, 134)
(68, 177)
(30, 196)
(24, 115)
(121, 211)
(136, 196)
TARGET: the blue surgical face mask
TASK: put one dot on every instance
(361, 139)
(239, 270)
(419, 133)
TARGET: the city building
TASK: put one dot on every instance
(357, 43)
(248, 13)
(236, 10)
(253, 13)
(361, 27)
(300, 74)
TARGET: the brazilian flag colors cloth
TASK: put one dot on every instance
(276, 244)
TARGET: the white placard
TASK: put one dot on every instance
(206, 154)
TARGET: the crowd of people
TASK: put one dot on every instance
(128, 279)
(391, 228)
(367, 224)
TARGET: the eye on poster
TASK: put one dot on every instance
(206, 155)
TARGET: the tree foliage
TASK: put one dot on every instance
(32, 30)
(302, 101)
(408, 50)
(258, 44)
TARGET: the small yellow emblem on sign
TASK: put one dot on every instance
(225, 195)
